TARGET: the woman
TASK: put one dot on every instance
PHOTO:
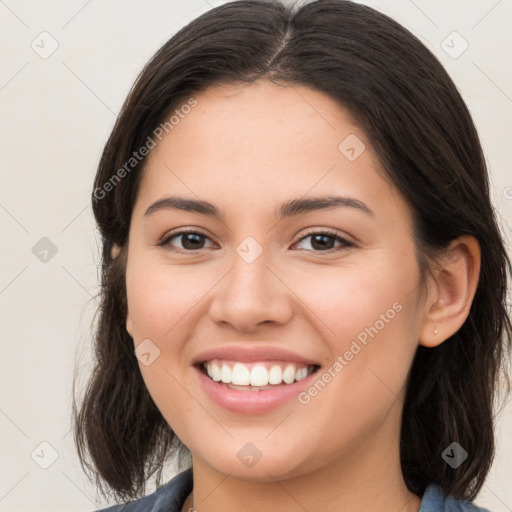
(304, 285)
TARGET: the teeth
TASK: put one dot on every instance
(275, 375)
(301, 373)
(240, 375)
(257, 376)
(289, 374)
(225, 373)
(215, 372)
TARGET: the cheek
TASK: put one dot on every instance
(160, 304)
(345, 302)
(383, 333)
(160, 296)
(370, 317)
(372, 335)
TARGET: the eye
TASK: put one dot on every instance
(322, 241)
(190, 240)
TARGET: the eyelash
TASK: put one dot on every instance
(164, 242)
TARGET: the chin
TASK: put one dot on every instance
(245, 461)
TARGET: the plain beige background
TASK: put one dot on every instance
(66, 68)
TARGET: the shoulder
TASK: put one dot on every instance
(434, 500)
(167, 498)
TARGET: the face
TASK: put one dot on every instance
(305, 312)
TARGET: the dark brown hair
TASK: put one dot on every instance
(422, 131)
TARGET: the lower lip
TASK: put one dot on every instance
(251, 402)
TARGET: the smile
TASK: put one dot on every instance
(248, 399)
(256, 376)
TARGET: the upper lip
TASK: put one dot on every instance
(252, 354)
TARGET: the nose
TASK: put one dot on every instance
(251, 295)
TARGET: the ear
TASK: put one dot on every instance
(449, 300)
(129, 325)
(114, 251)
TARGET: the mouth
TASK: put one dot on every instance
(255, 379)
(255, 376)
(250, 388)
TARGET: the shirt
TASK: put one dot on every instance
(171, 497)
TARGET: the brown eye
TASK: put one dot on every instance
(190, 241)
(325, 241)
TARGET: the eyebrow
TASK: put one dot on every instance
(287, 209)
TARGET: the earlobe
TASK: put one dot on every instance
(129, 325)
(449, 302)
(115, 251)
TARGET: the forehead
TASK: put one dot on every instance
(259, 143)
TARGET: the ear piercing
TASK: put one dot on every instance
(441, 301)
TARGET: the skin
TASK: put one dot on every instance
(246, 149)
